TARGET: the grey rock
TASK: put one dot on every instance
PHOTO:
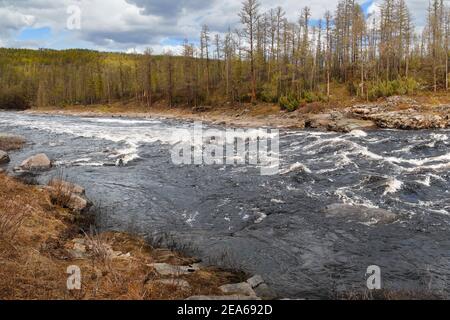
(78, 251)
(36, 163)
(255, 281)
(360, 213)
(166, 269)
(347, 125)
(265, 292)
(261, 289)
(242, 288)
(4, 157)
(78, 203)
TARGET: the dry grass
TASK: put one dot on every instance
(11, 143)
(61, 192)
(11, 219)
(37, 243)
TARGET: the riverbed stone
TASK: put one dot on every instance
(78, 251)
(78, 203)
(166, 269)
(37, 163)
(261, 289)
(265, 292)
(255, 281)
(242, 288)
(347, 125)
(360, 213)
(4, 157)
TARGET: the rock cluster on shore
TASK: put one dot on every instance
(410, 119)
(395, 113)
(66, 194)
(254, 288)
(403, 113)
(69, 195)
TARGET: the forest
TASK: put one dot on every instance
(268, 59)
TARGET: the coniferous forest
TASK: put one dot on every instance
(267, 59)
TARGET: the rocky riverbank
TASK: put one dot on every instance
(394, 113)
(46, 233)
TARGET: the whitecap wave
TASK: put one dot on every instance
(296, 167)
(392, 186)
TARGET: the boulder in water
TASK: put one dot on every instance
(37, 163)
(360, 213)
(4, 157)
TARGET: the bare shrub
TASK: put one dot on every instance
(61, 193)
(100, 247)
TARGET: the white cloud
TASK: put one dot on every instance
(125, 24)
(11, 21)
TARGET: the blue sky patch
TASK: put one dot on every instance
(30, 34)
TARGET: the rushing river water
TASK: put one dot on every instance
(269, 225)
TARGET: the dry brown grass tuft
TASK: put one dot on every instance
(11, 219)
(100, 247)
(61, 194)
(11, 143)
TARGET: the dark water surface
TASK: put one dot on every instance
(269, 225)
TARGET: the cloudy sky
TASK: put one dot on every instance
(125, 25)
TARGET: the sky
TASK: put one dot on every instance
(133, 25)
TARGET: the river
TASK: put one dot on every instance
(269, 225)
